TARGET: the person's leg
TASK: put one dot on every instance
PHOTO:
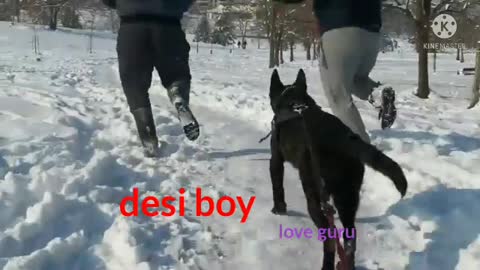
(339, 62)
(364, 85)
(135, 66)
(172, 63)
(135, 63)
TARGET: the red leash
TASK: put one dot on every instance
(327, 210)
(343, 264)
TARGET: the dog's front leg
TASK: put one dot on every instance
(276, 175)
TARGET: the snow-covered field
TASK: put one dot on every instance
(69, 153)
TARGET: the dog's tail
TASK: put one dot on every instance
(368, 154)
(380, 162)
(345, 142)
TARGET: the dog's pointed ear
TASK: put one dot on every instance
(276, 84)
(301, 80)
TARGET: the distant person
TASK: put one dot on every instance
(239, 44)
(244, 44)
(151, 36)
(350, 40)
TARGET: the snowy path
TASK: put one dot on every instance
(69, 154)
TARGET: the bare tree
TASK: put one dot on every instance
(476, 83)
(290, 39)
(15, 10)
(279, 34)
(35, 41)
(45, 11)
(266, 24)
(421, 11)
(272, 18)
(4, 12)
(272, 32)
(286, 24)
(243, 15)
(70, 16)
(90, 15)
(302, 26)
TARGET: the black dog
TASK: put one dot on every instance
(329, 156)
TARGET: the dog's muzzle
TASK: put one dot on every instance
(299, 108)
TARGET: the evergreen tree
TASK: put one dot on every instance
(70, 18)
(202, 33)
(224, 31)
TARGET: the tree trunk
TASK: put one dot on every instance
(309, 51)
(53, 18)
(423, 90)
(244, 31)
(279, 48)
(291, 52)
(281, 53)
(458, 54)
(272, 36)
(15, 10)
(272, 53)
(423, 15)
(277, 54)
(476, 83)
(90, 38)
(462, 55)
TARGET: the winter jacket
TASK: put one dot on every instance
(332, 14)
(150, 8)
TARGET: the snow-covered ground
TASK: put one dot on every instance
(69, 154)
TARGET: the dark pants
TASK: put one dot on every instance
(142, 46)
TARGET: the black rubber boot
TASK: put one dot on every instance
(179, 96)
(146, 131)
